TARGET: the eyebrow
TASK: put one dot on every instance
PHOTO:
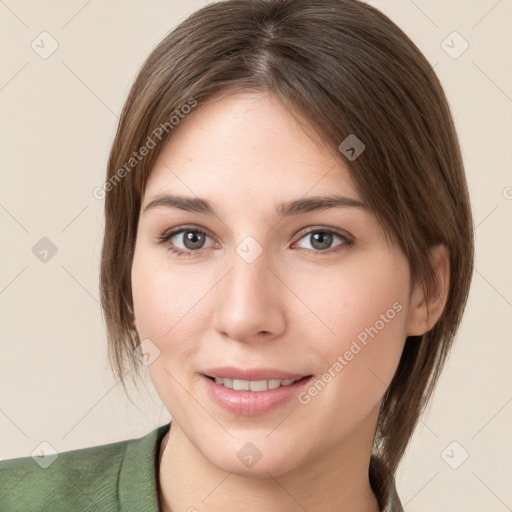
(290, 208)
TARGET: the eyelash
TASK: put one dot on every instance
(165, 237)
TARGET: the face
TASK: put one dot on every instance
(310, 302)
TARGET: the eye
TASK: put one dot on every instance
(186, 241)
(321, 239)
(193, 241)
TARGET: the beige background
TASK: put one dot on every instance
(58, 118)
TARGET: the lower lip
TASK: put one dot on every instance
(251, 403)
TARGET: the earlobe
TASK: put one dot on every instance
(425, 311)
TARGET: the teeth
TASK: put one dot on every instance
(254, 385)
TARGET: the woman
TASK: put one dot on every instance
(288, 249)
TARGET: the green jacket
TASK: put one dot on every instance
(120, 476)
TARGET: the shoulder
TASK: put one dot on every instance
(81, 479)
(87, 479)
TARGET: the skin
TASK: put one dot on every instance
(289, 309)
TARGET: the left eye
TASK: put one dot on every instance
(321, 240)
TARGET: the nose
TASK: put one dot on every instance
(249, 301)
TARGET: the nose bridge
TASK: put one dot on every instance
(248, 298)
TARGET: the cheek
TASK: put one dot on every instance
(367, 299)
(169, 311)
(363, 315)
(169, 305)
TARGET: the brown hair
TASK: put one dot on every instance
(344, 68)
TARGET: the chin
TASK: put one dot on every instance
(255, 460)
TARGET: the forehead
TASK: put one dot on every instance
(247, 147)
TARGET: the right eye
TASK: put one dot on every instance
(193, 241)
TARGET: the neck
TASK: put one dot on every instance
(335, 481)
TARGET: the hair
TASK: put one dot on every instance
(341, 67)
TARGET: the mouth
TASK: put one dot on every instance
(252, 392)
(255, 385)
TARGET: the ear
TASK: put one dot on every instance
(424, 311)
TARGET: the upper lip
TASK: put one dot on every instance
(230, 372)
